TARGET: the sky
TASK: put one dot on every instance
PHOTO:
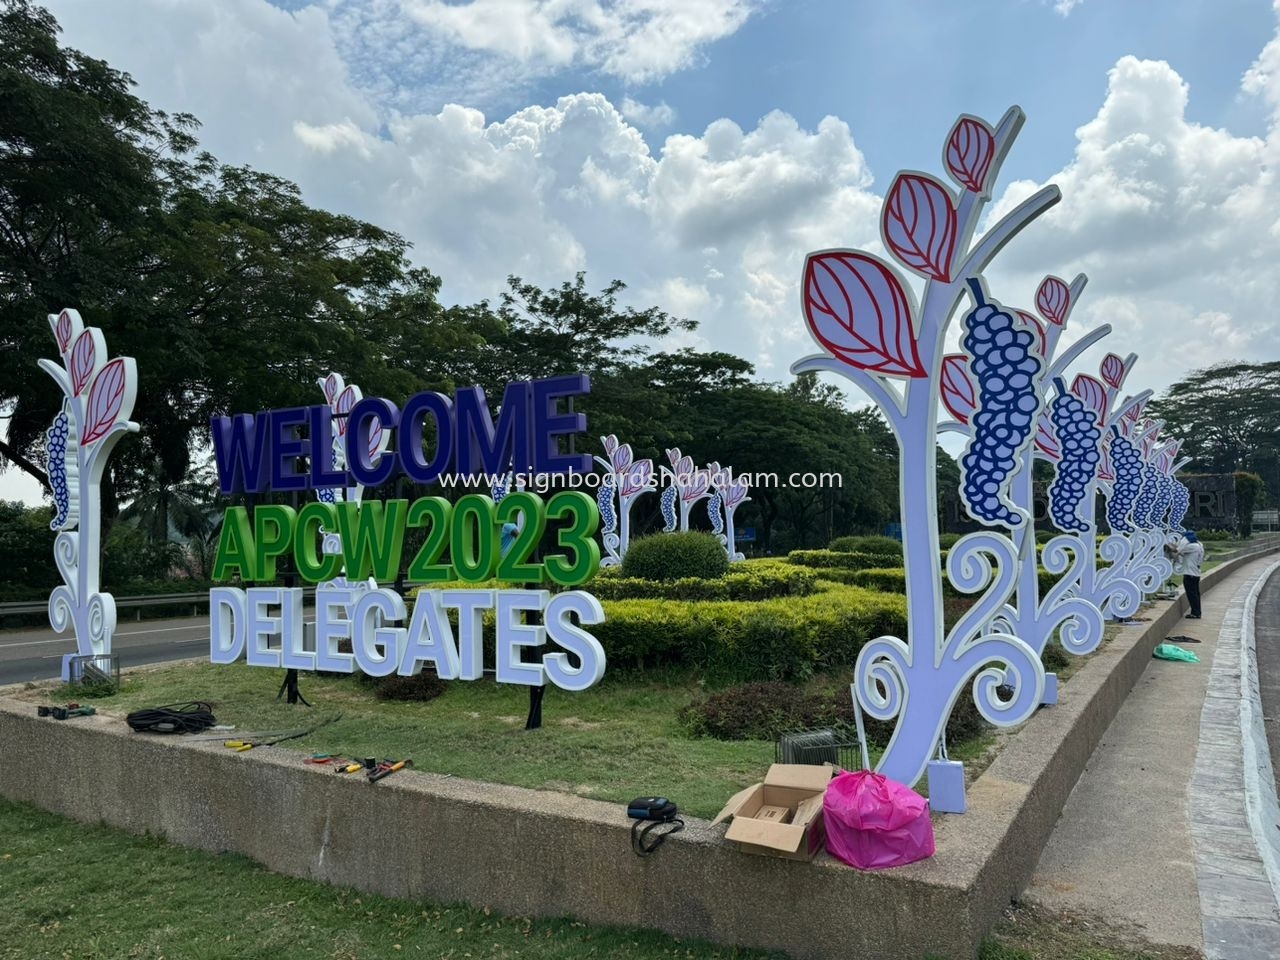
(698, 149)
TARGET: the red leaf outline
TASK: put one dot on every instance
(375, 440)
(858, 310)
(346, 400)
(1032, 321)
(610, 443)
(637, 477)
(83, 356)
(918, 224)
(1092, 393)
(1045, 440)
(971, 146)
(105, 398)
(62, 332)
(1053, 300)
(330, 387)
(1105, 470)
(1112, 370)
(959, 395)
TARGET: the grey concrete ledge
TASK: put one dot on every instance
(1232, 808)
(528, 852)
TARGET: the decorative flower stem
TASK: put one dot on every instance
(98, 398)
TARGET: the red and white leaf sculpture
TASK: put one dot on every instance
(375, 440)
(1112, 370)
(330, 387)
(1105, 470)
(105, 398)
(1037, 327)
(62, 331)
(958, 392)
(610, 443)
(1092, 393)
(970, 150)
(919, 225)
(1045, 438)
(346, 400)
(1053, 300)
(83, 356)
(857, 308)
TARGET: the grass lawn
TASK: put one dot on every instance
(93, 893)
(616, 741)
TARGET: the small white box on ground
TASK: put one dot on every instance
(946, 786)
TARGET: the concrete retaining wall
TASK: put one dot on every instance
(526, 852)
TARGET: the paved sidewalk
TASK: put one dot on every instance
(1125, 849)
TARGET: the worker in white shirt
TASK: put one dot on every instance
(1190, 554)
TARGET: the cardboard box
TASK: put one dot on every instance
(781, 817)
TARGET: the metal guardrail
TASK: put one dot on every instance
(197, 600)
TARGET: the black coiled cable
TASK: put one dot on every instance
(191, 717)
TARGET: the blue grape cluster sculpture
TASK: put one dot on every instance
(604, 499)
(1144, 508)
(667, 502)
(1078, 433)
(56, 436)
(713, 514)
(1127, 463)
(1181, 504)
(1007, 368)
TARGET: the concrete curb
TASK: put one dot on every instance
(1262, 806)
(1232, 809)
(528, 852)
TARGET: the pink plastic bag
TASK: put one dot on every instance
(874, 822)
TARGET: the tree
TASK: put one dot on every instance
(1228, 418)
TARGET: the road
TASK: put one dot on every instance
(29, 653)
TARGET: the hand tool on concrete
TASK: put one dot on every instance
(65, 713)
(385, 770)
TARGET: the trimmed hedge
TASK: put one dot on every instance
(739, 641)
(894, 579)
(746, 580)
(675, 556)
(887, 546)
(824, 559)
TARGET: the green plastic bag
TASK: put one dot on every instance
(1167, 651)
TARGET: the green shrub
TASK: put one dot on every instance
(674, 556)
(824, 559)
(1044, 536)
(948, 540)
(746, 580)
(765, 711)
(885, 546)
(886, 580)
(1054, 657)
(1210, 535)
(420, 688)
(737, 641)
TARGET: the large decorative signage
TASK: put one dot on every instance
(98, 397)
(1063, 434)
(871, 330)
(462, 541)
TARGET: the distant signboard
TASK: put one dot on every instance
(893, 530)
(747, 535)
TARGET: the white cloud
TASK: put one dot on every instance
(656, 116)
(1177, 223)
(1063, 8)
(637, 40)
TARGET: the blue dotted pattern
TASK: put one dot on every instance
(1006, 367)
(1181, 504)
(604, 500)
(713, 513)
(668, 504)
(1127, 463)
(57, 468)
(1144, 509)
(1076, 427)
